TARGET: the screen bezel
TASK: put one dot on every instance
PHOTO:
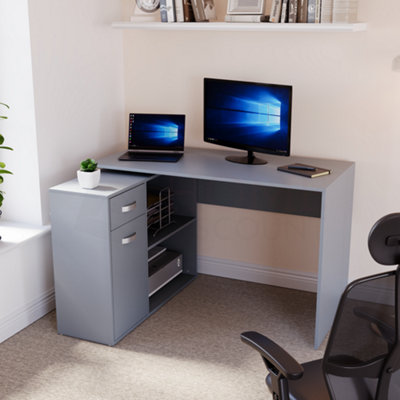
(241, 146)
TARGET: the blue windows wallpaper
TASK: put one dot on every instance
(156, 131)
(246, 115)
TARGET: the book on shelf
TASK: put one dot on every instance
(179, 13)
(302, 8)
(314, 11)
(326, 11)
(171, 10)
(318, 11)
(292, 11)
(188, 11)
(284, 10)
(167, 10)
(344, 11)
(275, 13)
(198, 11)
(246, 18)
(163, 11)
(306, 170)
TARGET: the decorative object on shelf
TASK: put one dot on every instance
(245, 11)
(88, 175)
(148, 5)
(210, 11)
(245, 7)
(146, 11)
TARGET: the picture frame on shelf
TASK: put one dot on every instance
(245, 7)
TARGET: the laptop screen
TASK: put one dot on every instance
(164, 132)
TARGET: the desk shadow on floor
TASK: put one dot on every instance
(205, 321)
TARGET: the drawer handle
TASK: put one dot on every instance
(128, 207)
(129, 239)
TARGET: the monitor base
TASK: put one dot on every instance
(249, 159)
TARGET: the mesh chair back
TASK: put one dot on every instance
(362, 338)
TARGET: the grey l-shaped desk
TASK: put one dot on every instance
(204, 176)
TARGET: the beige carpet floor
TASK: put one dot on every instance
(190, 349)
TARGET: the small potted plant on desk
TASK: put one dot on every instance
(88, 175)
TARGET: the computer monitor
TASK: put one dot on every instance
(251, 116)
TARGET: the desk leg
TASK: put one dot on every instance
(334, 251)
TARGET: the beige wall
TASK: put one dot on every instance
(260, 238)
(345, 104)
(78, 85)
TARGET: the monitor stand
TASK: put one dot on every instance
(249, 159)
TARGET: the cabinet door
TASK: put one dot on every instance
(129, 275)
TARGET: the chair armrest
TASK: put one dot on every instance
(274, 355)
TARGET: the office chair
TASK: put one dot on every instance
(362, 357)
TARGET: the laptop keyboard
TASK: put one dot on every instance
(130, 156)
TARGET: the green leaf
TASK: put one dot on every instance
(88, 165)
(2, 165)
(4, 171)
(6, 148)
(3, 116)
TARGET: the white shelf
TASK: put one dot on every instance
(238, 26)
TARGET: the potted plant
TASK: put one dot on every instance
(2, 164)
(88, 174)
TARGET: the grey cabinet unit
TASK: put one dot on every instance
(100, 243)
(100, 257)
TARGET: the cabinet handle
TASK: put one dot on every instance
(129, 239)
(129, 207)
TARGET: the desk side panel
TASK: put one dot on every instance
(333, 266)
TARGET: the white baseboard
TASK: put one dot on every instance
(26, 315)
(260, 274)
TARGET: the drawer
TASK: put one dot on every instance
(127, 206)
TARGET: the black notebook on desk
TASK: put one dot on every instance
(155, 137)
(309, 171)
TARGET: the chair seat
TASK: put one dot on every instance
(311, 386)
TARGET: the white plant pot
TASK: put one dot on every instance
(88, 180)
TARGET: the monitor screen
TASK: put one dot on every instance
(156, 131)
(251, 116)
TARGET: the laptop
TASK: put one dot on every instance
(155, 137)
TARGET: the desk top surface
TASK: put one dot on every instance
(210, 164)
